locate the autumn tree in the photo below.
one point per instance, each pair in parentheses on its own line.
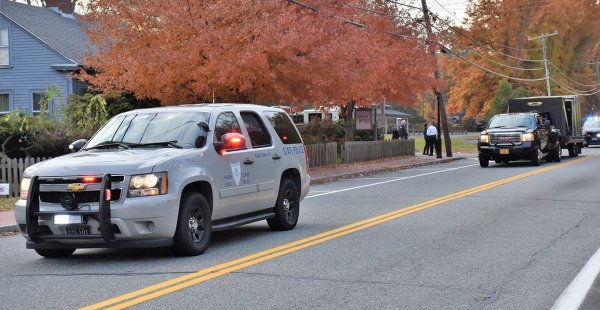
(496,38)
(322,52)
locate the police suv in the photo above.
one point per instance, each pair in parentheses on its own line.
(167,176)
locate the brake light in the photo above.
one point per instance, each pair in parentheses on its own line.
(89,180)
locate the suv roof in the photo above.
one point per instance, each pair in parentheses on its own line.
(203,107)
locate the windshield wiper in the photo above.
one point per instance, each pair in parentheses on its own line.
(497,127)
(164,143)
(108,145)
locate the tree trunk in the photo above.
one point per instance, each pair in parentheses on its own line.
(347,112)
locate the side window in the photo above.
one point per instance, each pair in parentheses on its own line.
(259,136)
(4,103)
(284,127)
(226,123)
(4,48)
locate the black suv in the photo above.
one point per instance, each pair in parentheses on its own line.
(516,136)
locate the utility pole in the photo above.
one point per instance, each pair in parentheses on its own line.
(440,100)
(543,38)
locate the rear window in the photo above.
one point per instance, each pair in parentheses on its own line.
(284,127)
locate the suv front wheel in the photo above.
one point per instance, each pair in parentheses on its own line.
(194,226)
(287,207)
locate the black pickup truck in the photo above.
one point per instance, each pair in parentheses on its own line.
(534,128)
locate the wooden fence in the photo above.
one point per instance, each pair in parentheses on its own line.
(324,154)
(371,150)
(11,171)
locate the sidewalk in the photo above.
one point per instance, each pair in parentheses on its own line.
(323,175)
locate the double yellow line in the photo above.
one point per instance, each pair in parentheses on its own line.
(179,283)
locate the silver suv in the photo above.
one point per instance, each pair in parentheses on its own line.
(167,176)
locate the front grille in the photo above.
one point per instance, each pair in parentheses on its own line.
(81,197)
(505,138)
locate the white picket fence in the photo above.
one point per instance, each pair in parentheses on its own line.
(11,172)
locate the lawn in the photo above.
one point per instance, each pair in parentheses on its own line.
(466,143)
(7,203)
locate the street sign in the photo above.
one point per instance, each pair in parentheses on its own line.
(4,189)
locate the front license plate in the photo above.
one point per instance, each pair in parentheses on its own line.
(594,138)
(78,230)
(65,219)
(503,151)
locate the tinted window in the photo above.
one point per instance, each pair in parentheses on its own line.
(226,123)
(284,127)
(259,136)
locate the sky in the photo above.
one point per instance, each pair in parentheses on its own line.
(445,7)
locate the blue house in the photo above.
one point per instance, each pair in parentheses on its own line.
(39,48)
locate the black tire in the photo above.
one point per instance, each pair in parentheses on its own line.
(194,226)
(54,253)
(287,207)
(571,148)
(535,157)
(483,161)
(557,154)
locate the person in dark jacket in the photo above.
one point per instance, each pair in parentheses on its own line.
(403,131)
(395,133)
(427,144)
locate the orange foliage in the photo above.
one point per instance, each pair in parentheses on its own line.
(254,50)
(504,26)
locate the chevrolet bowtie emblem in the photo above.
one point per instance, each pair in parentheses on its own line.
(75,187)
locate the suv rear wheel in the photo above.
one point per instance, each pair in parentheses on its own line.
(287,207)
(194,226)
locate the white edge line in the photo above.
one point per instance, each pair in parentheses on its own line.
(575,293)
(388,181)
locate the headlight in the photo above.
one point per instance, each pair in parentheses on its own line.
(598,135)
(25,187)
(148,185)
(527,137)
(484,138)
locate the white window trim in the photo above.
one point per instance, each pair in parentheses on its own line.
(6,46)
(9,102)
(40,92)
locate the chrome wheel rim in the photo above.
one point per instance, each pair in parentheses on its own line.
(196,225)
(288,205)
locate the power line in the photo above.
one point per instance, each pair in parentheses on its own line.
(482,45)
(575,92)
(568,78)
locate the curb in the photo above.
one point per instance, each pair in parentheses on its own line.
(9,228)
(382,170)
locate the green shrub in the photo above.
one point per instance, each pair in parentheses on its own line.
(322,132)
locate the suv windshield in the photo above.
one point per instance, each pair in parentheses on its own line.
(591,123)
(165,129)
(512,121)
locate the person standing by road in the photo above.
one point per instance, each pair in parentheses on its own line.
(403,131)
(431,137)
(395,134)
(426,148)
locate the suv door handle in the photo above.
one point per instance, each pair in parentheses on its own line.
(276,156)
(248,162)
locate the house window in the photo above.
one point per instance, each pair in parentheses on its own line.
(4,50)
(38,100)
(4,103)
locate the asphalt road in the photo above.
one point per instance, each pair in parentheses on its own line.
(450,236)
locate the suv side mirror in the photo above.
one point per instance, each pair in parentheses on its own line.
(77,145)
(232,141)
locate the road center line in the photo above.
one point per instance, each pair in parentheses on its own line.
(179,283)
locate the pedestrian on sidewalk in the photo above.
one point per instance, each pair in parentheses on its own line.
(395,133)
(403,131)
(431,137)
(426,148)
